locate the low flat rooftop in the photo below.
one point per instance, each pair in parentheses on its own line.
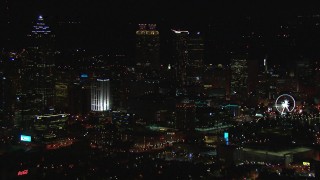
(278,153)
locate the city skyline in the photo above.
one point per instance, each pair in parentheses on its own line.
(111,26)
(159,90)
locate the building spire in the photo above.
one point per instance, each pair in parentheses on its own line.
(40,28)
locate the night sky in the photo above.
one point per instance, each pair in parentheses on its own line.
(172,11)
(111,24)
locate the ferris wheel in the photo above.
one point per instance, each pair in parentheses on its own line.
(285,103)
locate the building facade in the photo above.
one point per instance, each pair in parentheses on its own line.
(148,46)
(239,77)
(100,95)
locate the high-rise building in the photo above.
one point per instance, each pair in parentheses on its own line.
(239,77)
(79,97)
(185,115)
(38,66)
(147,45)
(304,72)
(253,71)
(181,58)
(196,47)
(216,81)
(195,44)
(62,96)
(265,64)
(2,92)
(100,95)
(5,99)
(40,28)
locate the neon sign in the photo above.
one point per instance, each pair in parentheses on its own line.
(25,138)
(84,75)
(306,163)
(24,172)
(226,137)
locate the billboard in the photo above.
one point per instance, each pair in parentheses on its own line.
(306,163)
(25,138)
(226,135)
(84,75)
(23,172)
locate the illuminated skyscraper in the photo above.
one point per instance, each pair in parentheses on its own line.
(265,64)
(195,49)
(147,45)
(100,95)
(41,35)
(2,91)
(185,115)
(181,56)
(40,28)
(239,76)
(5,99)
(195,45)
(37,68)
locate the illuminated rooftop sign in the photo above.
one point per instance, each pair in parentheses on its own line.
(24,172)
(25,138)
(51,116)
(84,75)
(179,32)
(226,135)
(306,163)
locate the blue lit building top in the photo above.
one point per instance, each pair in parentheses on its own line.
(40,28)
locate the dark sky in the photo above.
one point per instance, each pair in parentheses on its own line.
(112,23)
(138,10)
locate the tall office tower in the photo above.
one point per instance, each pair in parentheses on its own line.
(147,45)
(5,100)
(265,64)
(304,70)
(195,45)
(80,96)
(100,95)
(239,76)
(196,49)
(181,58)
(62,96)
(40,29)
(37,70)
(306,76)
(3,88)
(216,82)
(185,115)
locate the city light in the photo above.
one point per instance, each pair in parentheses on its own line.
(92,90)
(25,138)
(23,172)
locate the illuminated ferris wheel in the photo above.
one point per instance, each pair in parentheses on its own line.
(285,103)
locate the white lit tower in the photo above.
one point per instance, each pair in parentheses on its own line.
(100,95)
(265,64)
